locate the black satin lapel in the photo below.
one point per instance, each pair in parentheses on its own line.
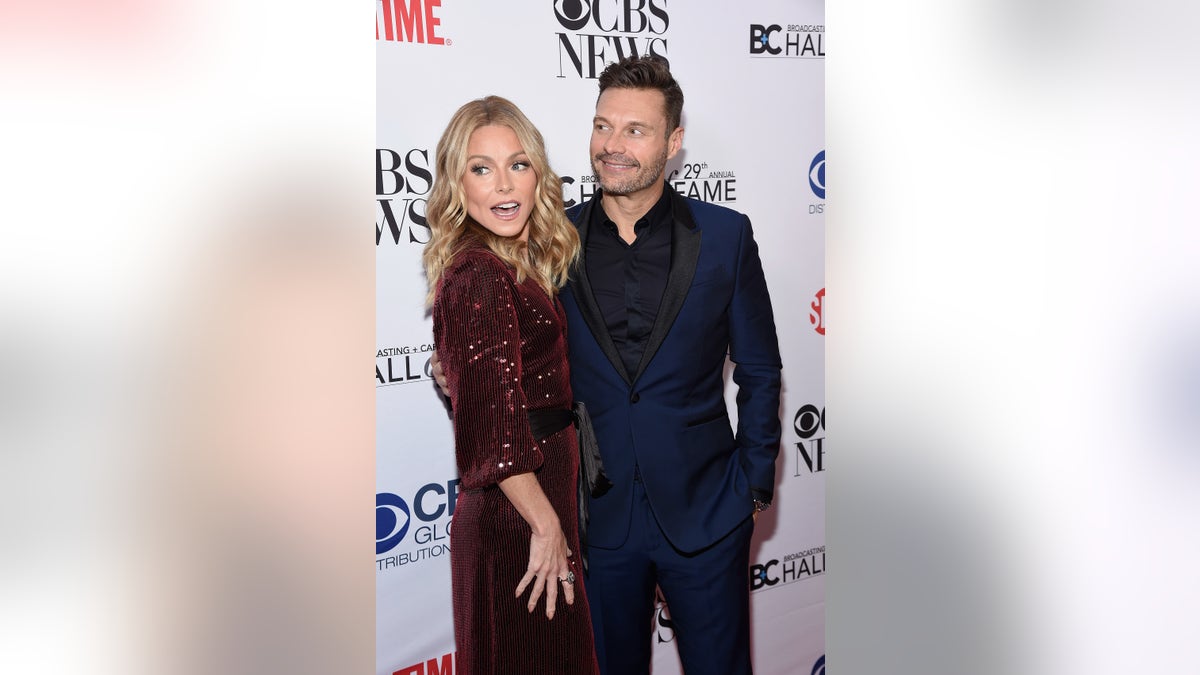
(685,251)
(586,300)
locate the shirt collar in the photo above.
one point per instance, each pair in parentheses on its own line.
(659,213)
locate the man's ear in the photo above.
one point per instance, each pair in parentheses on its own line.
(674,142)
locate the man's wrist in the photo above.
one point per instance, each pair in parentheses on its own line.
(762,499)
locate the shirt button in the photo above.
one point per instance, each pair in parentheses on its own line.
(634,398)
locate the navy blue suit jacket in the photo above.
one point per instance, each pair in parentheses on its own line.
(669,418)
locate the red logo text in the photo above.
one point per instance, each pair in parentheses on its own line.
(409,21)
(442,665)
(815,317)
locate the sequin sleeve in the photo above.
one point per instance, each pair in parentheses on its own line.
(478,341)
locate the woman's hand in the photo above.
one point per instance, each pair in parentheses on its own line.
(549,567)
(550,561)
(439,374)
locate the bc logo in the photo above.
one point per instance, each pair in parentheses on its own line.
(819,666)
(760,38)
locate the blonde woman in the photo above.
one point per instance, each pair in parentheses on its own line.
(500,251)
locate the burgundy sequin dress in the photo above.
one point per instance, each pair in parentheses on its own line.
(503,349)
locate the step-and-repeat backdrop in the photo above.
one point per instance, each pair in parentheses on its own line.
(753,80)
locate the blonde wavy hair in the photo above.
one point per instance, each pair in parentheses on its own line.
(553,245)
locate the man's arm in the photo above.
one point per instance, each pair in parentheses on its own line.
(754,350)
(439,375)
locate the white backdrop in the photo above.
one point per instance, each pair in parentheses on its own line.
(753,80)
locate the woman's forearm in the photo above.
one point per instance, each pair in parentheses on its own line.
(526,494)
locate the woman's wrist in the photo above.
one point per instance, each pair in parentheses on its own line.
(545,525)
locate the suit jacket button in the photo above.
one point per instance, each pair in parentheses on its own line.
(634,398)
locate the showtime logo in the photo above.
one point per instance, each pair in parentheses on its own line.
(446,664)
(409,21)
(598,32)
(817,316)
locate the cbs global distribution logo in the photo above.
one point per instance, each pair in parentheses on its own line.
(816,175)
(426,516)
(816,183)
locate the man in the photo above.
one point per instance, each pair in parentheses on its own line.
(666,287)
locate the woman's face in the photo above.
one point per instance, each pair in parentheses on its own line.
(499,182)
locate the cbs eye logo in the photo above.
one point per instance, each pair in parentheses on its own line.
(429,504)
(392,519)
(809,418)
(816,175)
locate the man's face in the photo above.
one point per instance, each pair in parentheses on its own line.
(630,144)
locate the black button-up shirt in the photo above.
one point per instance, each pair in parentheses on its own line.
(629,279)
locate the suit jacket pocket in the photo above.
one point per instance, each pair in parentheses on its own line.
(705,420)
(710,275)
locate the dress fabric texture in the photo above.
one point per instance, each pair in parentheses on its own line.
(503,350)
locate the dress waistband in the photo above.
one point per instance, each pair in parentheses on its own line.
(546,422)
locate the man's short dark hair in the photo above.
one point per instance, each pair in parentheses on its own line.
(646,72)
